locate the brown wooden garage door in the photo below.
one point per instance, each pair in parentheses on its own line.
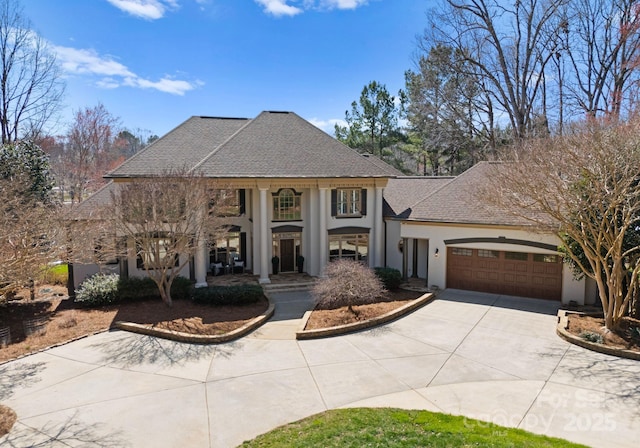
(512,273)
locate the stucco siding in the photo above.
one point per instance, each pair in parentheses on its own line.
(437,234)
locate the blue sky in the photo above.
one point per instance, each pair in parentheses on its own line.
(155,63)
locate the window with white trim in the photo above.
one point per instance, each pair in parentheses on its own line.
(286,205)
(349,202)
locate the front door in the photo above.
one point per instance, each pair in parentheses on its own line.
(287,255)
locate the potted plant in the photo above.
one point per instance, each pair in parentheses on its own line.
(275,263)
(300,261)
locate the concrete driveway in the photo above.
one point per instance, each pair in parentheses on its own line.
(490,357)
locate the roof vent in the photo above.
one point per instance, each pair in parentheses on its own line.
(278,112)
(205,117)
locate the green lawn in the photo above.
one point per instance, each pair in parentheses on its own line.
(57,274)
(365,427)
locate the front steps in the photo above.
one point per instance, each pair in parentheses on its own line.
(287,287)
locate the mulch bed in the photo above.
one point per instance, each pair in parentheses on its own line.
(342,316)
(7,419)
(189,317)
(64,321)
(578,324)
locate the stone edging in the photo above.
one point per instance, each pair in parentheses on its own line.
(561,330)
(198,338)
(347,328)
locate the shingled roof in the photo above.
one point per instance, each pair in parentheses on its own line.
(459,201)
(272,145)
(404,192)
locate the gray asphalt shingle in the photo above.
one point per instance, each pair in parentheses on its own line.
(274,144)
(462,201)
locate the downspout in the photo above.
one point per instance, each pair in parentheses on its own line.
(385,242)
(426,280)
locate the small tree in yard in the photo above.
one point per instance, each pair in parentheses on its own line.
(164,219)
(585,188)
(347,283)
(29,230)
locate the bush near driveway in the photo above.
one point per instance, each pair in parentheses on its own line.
(228,295)
(144,288)
(347,283)
(391,278)
(106,289)
(98,290)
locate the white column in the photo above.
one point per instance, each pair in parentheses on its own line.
(264,254)
(312,250)
(201,257)
(378,229)
(201,260)
(322,230)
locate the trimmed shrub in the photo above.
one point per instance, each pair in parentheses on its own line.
(98,290)
(145,288)
(347,283)
(106,289)
(391,278)
(137,288)
(228,295)
(181,288)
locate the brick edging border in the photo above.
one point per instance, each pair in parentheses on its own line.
(198,338)
(561,330)
(348,328)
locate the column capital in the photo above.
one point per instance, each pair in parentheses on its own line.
(324,184)
(381,183)
(263,185)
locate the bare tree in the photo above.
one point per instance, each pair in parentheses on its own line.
(585,188)
(29,234)
(347,283)
(162,220)
(601,41)
(90,150)
(506,46)
(31,87)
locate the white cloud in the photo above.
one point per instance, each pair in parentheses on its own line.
(342,4)
(283,8)
(166,84)
(327,126)
(79,61)
(113,74)
(279,7)
(108,83)
(146,9)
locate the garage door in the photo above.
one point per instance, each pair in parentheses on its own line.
(512,273)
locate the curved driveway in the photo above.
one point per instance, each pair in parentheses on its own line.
(491,357)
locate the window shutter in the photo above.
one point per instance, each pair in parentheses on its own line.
(242,201)
(363,202)
(334,202)
(243,246)
(192,268)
